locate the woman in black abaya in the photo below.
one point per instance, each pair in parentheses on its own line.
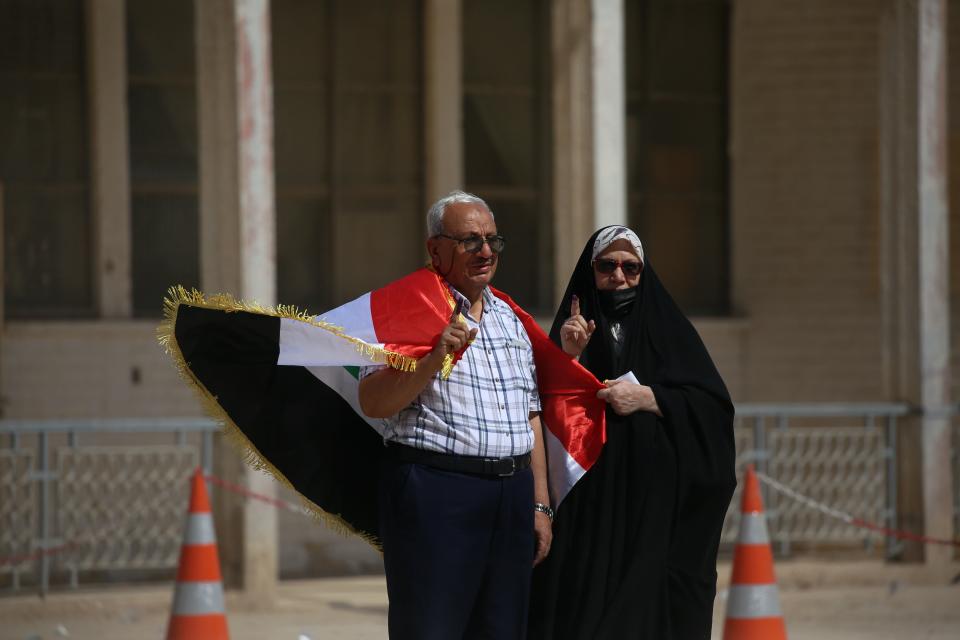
(635,541)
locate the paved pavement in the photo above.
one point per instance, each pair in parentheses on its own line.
(821,600)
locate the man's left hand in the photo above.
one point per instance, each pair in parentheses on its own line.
(543,531)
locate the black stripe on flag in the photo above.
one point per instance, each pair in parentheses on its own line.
(302,427)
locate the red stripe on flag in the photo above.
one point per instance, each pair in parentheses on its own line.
(571,409)
(410,313)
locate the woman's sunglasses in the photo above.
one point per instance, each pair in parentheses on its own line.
(607,266)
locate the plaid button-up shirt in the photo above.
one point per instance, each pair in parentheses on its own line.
(483,408)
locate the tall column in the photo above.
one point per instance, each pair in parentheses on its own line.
(934,254)
(588,125)
(608,96)
(238,220)
(572,135)
(915,265)
(110,156)
(443,97)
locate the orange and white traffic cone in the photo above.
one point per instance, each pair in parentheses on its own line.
(753,605)
(198,598)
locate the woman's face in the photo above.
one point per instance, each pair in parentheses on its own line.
(621,253)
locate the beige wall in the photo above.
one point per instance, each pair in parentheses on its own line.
(107,369)
(804,198)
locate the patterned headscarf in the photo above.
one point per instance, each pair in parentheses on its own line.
(608,236)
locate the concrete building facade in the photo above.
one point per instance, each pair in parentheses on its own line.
(772,156)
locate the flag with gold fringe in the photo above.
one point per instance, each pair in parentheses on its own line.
(284,384)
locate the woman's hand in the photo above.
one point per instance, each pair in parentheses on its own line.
(628,397)
(576,331)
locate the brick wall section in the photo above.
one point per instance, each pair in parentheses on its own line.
(804,198)
(90,370)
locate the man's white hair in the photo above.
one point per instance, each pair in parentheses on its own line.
(435,214)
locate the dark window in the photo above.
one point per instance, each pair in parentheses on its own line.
(506,122)
(348,151)
(44,161)
(677,94)
(162,103)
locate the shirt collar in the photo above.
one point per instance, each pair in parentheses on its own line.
(490,301)
(460,300)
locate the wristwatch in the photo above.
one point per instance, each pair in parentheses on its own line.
(542,508)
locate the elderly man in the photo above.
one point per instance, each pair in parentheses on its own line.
(463,496)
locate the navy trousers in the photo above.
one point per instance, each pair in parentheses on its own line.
(457,551)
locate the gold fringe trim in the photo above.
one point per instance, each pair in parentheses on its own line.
(248,452)
(178,295)
(447,368)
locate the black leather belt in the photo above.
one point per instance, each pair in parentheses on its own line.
(505,466)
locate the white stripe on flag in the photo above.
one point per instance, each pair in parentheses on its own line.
(304,344)
(564,471)
(748,601)
(355,317)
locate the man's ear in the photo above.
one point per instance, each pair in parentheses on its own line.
(434,252)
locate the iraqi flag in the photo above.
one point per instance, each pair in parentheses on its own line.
(285,386)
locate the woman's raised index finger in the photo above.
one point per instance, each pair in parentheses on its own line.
(574,305)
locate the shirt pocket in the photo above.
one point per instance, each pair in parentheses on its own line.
(521,359)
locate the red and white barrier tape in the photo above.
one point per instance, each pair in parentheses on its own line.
(289,506)
(253,495)
(27,557)
(849,518)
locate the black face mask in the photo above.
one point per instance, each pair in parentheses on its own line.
(617,303)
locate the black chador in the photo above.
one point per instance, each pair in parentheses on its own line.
(635,542)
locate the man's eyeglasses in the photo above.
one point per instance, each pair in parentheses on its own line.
(474,243)
(606,266)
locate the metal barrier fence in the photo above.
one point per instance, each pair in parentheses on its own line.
(107,496)
(845,456)
(68,506)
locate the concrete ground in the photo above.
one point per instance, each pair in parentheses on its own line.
(821,600)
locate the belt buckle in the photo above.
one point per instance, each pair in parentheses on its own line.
(513,466)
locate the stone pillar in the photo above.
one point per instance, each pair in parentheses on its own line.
(110,156)
(588,125)
(572,135)
(238,229)
(934,254)
(608,96)
(443,98)
(915,261)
